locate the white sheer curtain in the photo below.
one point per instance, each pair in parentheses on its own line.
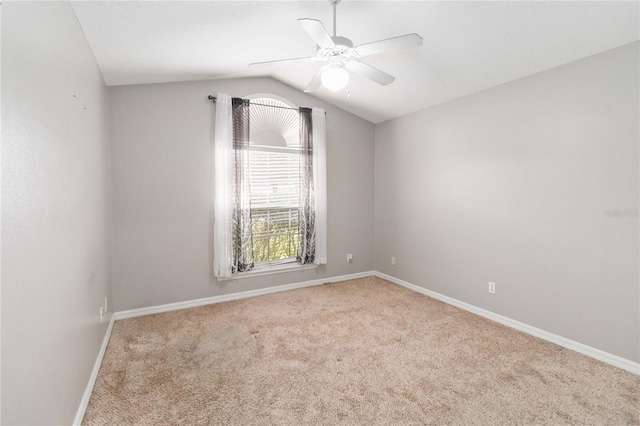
(320,183)
(223,187)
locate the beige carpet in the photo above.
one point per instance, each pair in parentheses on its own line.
(357,352)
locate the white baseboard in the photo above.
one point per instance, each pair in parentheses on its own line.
(598,354)
(235,296)
(94,375)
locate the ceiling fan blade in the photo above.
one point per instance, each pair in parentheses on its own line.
(318,33)
(315,82)
(387,45)
(370,72)
(284,61)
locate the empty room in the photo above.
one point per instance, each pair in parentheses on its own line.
(320,212)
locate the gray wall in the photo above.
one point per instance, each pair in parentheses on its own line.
(56,268)
(512,185)
(161,136)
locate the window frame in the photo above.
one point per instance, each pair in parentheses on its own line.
(281,265)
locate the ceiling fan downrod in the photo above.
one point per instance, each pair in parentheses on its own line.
(334,3)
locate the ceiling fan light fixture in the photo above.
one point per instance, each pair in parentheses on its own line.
(335,78)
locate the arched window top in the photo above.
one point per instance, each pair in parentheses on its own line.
(273,123)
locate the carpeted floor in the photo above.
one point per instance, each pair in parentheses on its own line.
(357,352)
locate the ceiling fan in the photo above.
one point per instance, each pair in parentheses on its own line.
(341,56)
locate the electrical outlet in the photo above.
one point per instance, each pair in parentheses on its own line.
(101,314)
(105,305)
(393,260)
(349,257)
(492,287)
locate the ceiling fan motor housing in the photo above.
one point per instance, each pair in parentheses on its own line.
(342,50)
(342,42)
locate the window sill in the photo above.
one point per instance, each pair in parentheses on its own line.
(269,270)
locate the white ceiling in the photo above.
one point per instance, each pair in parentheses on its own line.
(468,46)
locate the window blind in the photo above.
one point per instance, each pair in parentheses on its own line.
(275,199)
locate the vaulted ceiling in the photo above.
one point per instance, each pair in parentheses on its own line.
(468,46)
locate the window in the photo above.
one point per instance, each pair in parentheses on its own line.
(274,163)
(269,180)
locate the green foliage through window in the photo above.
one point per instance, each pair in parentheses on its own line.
(275,234)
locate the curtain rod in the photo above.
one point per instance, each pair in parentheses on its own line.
(213,98)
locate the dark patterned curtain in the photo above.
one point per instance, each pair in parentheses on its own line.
(307,246)
(242,241)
